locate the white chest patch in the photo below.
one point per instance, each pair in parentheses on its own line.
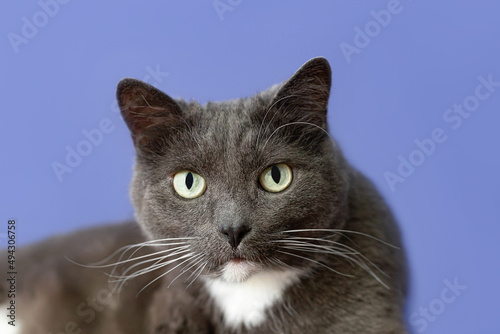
(245,303)
(5,328)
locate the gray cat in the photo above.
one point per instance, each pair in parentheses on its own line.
(253,222)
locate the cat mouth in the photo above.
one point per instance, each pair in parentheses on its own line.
(239,269)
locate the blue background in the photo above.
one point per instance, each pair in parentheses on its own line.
(393,91)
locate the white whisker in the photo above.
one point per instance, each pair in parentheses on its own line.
(188,266)
(199,271)
(157,265)
(189,255)
(267,112)
(149,268)
(338,231)
(295,123)
(339,250)
(316,262)
(130,259)
(351,250)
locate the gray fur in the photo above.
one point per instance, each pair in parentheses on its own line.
(230,143)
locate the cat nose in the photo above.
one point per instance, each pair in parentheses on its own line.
(234,234)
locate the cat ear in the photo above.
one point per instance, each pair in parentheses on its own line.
(306,93)
(143,106)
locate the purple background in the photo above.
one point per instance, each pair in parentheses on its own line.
(394,89)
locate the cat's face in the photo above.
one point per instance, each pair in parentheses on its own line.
(233,177)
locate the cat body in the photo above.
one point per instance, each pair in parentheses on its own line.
(259,225)
(57,294)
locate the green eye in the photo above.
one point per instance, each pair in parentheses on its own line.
(188,184)
(276,178)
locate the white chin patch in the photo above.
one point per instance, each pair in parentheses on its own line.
(239,271)
(246,291)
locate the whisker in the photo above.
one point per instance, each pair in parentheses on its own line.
(173,250)
(123,279)
(336,243)
(316,262)
(280,263)
(343,231)
(340,247)
(130,259)
(350,249)
(198,263)
(326,251)
(295,123)
(159,245)
(189,266)
(358,258)
(157,265)
(144,270)
(125,249)
(199,270)
(267,112)
(189,255)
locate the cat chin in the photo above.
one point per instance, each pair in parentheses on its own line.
(239,271)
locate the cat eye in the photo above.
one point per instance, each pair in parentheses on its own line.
(188,184)
(276,178)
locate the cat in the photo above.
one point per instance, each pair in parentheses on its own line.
(57,295)
(251,221)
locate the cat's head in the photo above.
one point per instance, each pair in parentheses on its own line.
(234,178)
